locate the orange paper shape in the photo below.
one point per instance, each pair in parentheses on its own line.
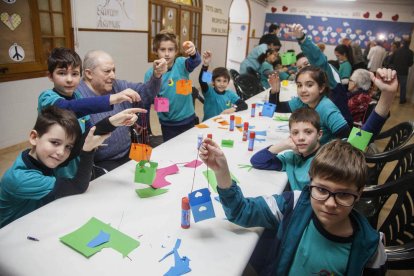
(139,152)
(183,87)
(237,120)
(202,126)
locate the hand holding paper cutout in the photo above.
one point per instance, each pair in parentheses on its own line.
(160,66)
(128,95)
(297,30)
(126,117)
(274,82)
(93,141)
(207,55)
(189,48)
(387,82)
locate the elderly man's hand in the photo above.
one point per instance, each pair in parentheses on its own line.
(125,95)
(160,66)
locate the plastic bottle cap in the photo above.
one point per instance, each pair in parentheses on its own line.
(210,136)
(246,125)
(252,135)
(253,105)
(185,204)
(232,117)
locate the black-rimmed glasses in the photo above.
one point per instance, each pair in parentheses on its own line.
(341,198)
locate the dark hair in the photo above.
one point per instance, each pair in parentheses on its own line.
(53,115)
(221,72)
(164,35)
(305,115)
(270,39)
(334,63)
(346,51)
(340,162)
(63,58)
(317,74)
(291,51)
(263,56)
(273,27)
(300,55)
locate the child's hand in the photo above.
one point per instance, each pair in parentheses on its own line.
(128,95)
(274,82)
(126,117)
(212,155)
(385,79)
(93,141)
(189,48)
(297,30)
(286,144)
(228,110)
(160,67)
(207,58)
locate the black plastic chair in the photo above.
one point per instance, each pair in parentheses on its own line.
(248,86)
(234,74)
(252,72)
(400,160)
(397,136)
(398,225)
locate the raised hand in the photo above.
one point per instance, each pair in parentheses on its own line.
(128,95)
(296,30)
(189,48)
(385,79)
(126,117)
(207,55)
(160,66)
(93,141)
(274,82)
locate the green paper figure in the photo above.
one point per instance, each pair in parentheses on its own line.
(150,192)
(288,58)
(212,180)
(227,143)
(145,172)
(359,138)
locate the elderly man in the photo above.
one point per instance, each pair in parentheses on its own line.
(99,79)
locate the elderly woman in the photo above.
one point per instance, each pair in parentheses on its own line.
(359,94)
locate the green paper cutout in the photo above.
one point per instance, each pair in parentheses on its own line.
(359,138)
(227,143)
(288,58)
(79,239)
(150,192)
(248,167)
(281,118)
(212,180)
(145,174)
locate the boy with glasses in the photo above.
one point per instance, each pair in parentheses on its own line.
(317,230)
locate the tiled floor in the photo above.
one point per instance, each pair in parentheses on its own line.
(399,113)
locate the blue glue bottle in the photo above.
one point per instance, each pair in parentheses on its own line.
(199,140)
(253,110)
(231,123)
(185,213)
(251,140)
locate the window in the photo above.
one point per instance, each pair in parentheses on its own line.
(183,17)
(30,30)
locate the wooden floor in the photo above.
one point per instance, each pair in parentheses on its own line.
(399,113)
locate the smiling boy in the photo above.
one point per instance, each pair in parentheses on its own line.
(293,155)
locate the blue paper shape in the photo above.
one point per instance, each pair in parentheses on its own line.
(260,132)
(259,104)
(181,265)
(207,77)
(101,238)
(268,110)
(201,205)
(259,140)
(252,127)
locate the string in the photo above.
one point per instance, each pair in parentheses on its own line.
(195,168)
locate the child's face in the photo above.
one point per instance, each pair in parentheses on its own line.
(168,51)
(305,136)
(340,57)
(334,217)
(271,58)
(220,83)
(66,80)
(52,148)
(308,90)
(302,62)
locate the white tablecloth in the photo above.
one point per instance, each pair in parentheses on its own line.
(214,246)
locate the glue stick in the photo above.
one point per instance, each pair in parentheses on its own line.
(199,140)
(245,130)
(185,213)
(253,110)
(231,123)
(251,140)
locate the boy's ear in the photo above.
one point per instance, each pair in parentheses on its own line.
(320,133)
(33,136)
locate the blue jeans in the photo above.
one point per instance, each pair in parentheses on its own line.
(403,88)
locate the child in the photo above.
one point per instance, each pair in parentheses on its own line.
(320,219)
(217,99)
(181,116)
(31,182)
(266,61)
(64,70)
(298,149)
(344,55)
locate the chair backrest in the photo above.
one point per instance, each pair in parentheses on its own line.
(197,96)
(398,135)
(234,76)
(392,201)
(400,160)
(248,85)
(252,72)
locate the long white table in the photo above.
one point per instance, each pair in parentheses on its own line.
(214,246)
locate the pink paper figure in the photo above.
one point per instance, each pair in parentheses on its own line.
(193,164)
(159,180)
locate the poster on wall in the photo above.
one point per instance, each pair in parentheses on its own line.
(215,20)
(115,14)
(330,30)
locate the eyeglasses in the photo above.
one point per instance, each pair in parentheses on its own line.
(341,198)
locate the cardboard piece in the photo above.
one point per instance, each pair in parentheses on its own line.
(201,205)
(140,152)
(80,238)
(145,172)
(161,104)
(359,138)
